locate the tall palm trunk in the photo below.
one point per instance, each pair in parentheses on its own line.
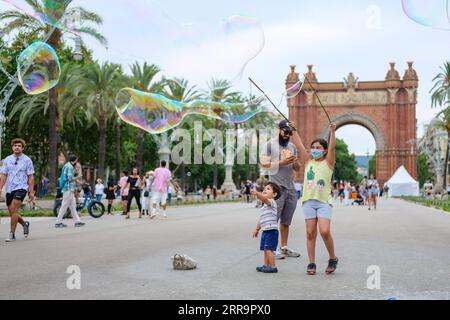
(216,166)
(53,133)
(118,150)
(446,162)
(140,149)
(101,145)
(238,166)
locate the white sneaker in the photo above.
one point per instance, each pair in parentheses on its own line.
(153,214)
(11,238)
(288,252)
(279,255)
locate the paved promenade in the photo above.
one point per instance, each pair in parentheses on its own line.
(130,259)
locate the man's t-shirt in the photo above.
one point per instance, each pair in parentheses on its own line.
(18,170)
(162,179)
(284,175)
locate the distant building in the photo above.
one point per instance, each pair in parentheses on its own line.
(434,145)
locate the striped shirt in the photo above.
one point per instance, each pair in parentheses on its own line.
(268,219)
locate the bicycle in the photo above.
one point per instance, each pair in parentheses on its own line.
(95,208)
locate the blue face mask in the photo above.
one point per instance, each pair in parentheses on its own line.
(317,154)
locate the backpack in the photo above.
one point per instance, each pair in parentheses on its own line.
(62,179)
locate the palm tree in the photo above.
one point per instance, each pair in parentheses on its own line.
(98,90)
(179,90)
(142,79)
(441,97)
(219,92)
(16,19)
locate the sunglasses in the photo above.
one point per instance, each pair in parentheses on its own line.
(288,132)
(17,160)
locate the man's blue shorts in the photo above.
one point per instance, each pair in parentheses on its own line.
(269,240)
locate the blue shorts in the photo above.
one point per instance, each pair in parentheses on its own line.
(314,209)
(269,240)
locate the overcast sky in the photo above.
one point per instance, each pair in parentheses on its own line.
(186,39)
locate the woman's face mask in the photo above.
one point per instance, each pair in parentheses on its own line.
(317,153)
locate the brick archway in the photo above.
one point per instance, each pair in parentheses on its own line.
(386,108)
(362,120)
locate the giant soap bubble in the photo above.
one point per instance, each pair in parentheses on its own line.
(430,13)
(156,114)
(38,68)
(54,13)
(187,45)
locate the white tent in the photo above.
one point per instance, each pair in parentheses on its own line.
(402,184)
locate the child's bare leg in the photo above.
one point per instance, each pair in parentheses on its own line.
(266,260)
(270,258)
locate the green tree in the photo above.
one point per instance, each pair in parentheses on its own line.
(441,98)
(424,173)
(373,166)
(143,80)
(99,94)
(218,91)
(52,11)
(346,166)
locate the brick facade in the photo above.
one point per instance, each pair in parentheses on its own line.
(386,108)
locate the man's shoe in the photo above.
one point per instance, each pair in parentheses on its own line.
(280,255)
(332,265)
(11,237)
(26,229)
(79,224)
(60,226)
(288,252)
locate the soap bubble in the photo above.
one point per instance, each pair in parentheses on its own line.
(156,114)
(430,13)
(38,68)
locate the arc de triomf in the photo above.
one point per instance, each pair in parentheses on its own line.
(386,108)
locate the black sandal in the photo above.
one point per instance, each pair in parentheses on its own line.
(332,265)
(311,269)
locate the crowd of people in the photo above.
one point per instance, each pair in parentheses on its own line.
(151,192)
(364,193)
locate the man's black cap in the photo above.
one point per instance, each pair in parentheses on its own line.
(284,125)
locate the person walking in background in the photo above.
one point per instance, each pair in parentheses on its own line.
(373,190)
(68,185)
(298,189)
(44,188)
(99,190)
(208,193)
(124,191)
(347,193)
(161,181)
(17,173)
(134,191)
(169,194)
(248,188)
(261,182)
(110,194)
(147,194)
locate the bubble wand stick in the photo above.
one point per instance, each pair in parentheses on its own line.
(273,104)
(318,99)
